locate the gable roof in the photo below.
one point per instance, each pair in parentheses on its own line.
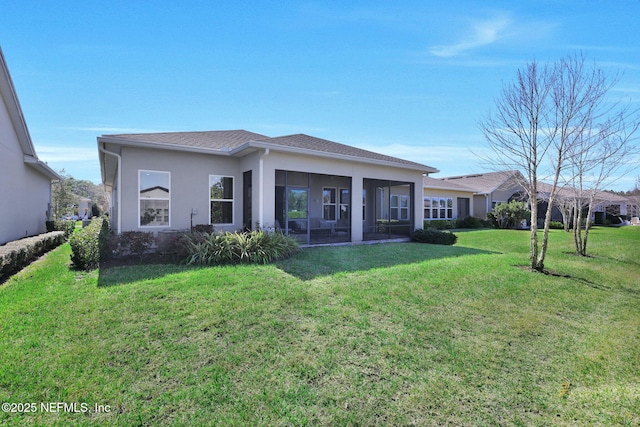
(10,99)
(242,142)
(442,184)
(217,140)
(485,183)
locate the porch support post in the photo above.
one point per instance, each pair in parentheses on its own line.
(356,208)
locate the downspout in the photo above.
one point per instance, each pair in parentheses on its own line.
(260,186)
(119,181)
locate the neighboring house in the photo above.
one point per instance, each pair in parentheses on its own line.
(84,207)
(606,204)
(446,199)
(25,181)
(488,190)
(317,190)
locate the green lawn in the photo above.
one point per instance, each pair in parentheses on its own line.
(391,334)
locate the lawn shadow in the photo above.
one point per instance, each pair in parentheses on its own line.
(314,262)
(135,270)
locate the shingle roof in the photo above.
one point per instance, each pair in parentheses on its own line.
(217,139)
(313,143)
(228,140)
(484,182)
(439,183)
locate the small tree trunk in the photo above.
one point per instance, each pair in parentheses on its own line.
(533,252)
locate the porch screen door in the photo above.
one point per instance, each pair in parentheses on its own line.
(298,213)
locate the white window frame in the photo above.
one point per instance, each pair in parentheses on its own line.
(438,206)
(168,199)
(347,205)
(334,203)
(231,200)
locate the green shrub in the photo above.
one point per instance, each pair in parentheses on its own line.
(509,215)
(439,224)
(239,247)
(89,245)
(437,237)
(202,228)
(470,222)
(136,243)
(19,253)
(61,225)
(556,225)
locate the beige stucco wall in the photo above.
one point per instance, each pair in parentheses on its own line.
(25,193)
(454,194)
(190,184)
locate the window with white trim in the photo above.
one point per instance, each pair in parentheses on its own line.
(329,204)
(399,208)
(438,208)
(364,204)
(154,201)
(345,202)
(221,199)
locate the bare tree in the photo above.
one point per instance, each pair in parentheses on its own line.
(540,118)
(597,160)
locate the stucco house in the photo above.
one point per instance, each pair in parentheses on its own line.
(25,181)
(488,189)
(316,190)
(446,199)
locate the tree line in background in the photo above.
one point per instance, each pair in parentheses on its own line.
(558,123)
(67,194)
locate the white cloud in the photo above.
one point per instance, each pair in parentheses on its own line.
(58,154)
(481,34)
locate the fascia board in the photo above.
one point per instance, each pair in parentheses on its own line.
(8,93)
(160,146)
(42,167)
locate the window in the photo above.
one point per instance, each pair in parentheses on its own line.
(394,208)
(438,208)
(154,198)
(404,207)
(221,199)
(329,204)
(345,202)
(364,204)
(427,208)
(399,208)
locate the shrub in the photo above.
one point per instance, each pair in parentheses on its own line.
(202,228)
(509,215)
(239,247)
(89,245)
(434,236)
(556,225)
(19,253)
(61,225)
(136,243)
(439,224)
(470,222)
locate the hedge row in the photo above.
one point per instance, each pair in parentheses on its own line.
(430,235)
(89,245)
(62,225)
(19,253)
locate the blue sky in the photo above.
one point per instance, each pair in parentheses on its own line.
(411,78)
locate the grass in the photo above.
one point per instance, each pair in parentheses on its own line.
(393,334)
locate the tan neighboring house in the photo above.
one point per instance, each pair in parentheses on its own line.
(25,181)
(316,190)
(488,189)
(446,200)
